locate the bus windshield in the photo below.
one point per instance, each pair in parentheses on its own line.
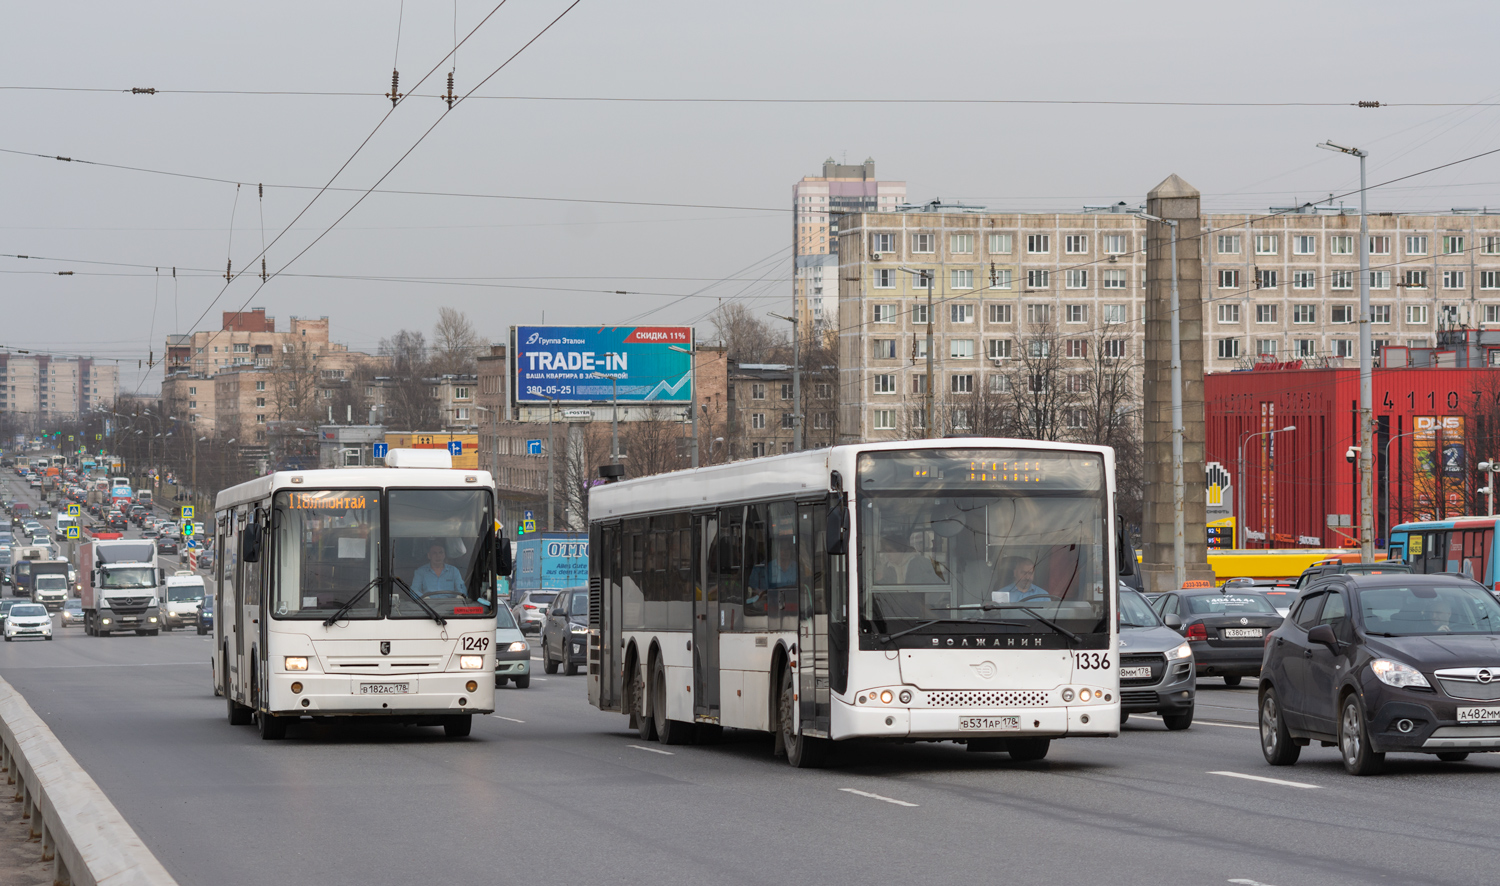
(127,578)
(438,539)
(982,541)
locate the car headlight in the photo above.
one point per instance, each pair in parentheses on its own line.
(1183,651)
(1395,673)
(518,646)
(579,629)
(471,662)
(296,662)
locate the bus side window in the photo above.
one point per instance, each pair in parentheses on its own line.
(731,557)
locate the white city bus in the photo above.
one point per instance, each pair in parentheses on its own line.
(864,591)
(358,592)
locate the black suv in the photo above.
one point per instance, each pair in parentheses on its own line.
(566,631)
(1312,573)
(1379,663)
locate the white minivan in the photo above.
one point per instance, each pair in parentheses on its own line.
(185,592)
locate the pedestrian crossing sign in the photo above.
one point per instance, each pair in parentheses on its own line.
(72,532)
(528,526)
(75,510)
(187,512)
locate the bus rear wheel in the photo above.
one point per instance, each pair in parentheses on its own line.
(458,725)
(667,731)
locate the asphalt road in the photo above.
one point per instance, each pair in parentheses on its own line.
(551,789)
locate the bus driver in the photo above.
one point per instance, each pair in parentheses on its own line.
(438,576)
(1020,588)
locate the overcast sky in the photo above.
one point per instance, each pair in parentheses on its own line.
(522,258)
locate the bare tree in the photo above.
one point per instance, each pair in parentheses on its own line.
(294,378)
(750,339)
(1108,411)
(410,398)
(1040,391)
(456,344)
(657,444)
(588,448)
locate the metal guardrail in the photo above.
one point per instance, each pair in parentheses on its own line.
(81,833)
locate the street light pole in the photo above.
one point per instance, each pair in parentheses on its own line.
(1492,468)
(551,477)
(1179,530)
(1239,481)
(1366,370)
(1388,472)
(927,400)
(692,397)
(614,422)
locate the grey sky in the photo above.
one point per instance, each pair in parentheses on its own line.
(1030,157)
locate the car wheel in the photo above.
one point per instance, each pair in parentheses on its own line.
(802,752)
(1232,680)
(1178,721)
(458,725)
(501,681)
(571,668)
(522,682)
(548,664)
(1275,741)
(1354,741)
(1123,718)
(1453,756)
(1027,750)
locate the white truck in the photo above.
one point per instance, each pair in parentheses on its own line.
(185,592)
(121,586)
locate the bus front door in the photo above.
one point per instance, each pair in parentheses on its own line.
(713,561)
(812,622)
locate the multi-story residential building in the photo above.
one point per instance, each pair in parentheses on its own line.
(762,410)
(817,204)
(1283,286)
(40,388)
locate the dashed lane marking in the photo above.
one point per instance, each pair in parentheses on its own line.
(891,800)
(641,747)
(1290,784)
(1201,722)
(510,719)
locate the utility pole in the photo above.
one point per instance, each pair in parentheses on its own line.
(693,398)
(796,382)
(927,400)
(551,411)
(614,421)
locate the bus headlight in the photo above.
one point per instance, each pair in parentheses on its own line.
(296,662)
(471,662)
(518,646)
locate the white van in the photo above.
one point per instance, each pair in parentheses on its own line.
(185,592)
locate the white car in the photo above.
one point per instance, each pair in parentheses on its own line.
(28,620)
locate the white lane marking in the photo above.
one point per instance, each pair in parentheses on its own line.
(1201,722)
(511,719)
(1290,784)
(534,658)
(641,747)
(1245,882)
(877,797)
(543,679)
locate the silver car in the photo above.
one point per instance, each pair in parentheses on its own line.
(531,610)
(1156,665)
(512,652)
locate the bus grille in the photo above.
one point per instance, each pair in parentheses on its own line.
(596,601)
(988,698)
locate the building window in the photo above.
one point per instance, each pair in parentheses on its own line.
(1380,245)
(919,313)
(1000,244)
(1453,279)
(919,384)
(757,450)
(999,384)
(757,392)
(461,393)
(1489,245)
(1304,313)
(458,414)
(1492,313)
(786,390)
(242,348)
(962,244)
(1380,279)
(1416,315)
(1038,315)
(919,418)
(787,421)
(1229,313)
(1265,347)
(1448,315)
(1267,244)
(1343,347)
(1229,278)
(885,278)
(883,349)
(885,383)
(921,243)
(823,390)
(1229,349)
(1113,244)
(1341,245)
(961,278)
(1417,343)
(192,404)
(1304,279)
(999,348)
(885,419)
(961,348)
(1038,244)
(1414,279)
(961,312)
(1077,348)
(1113,279)
(260,402)
(1380,314)
(1265,279)
(1489,279)
(961,384)
(1453,245)
(1416,245)
(260,386)
(260,419)
(821,422)
(882,242)
(1039,348)
(1341,314)
(1229,244)
(1341,280)
(1000,278)
(1075,244)
(1038,279)
(1036,383)
(1078,384)
(1305,347)
(1265,313)
(884,313)
(923,279)
(1078,278)
(1076,313)
(1303,244)
(999,313)
(757,420)
(192,391)
(1116,314)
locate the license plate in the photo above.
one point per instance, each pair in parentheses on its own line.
(1240,633)
(992,724)
(1134,673)
(384,688)
(1479,715)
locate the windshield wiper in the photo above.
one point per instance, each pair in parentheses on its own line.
(349,604)
(419,601)
(954,621)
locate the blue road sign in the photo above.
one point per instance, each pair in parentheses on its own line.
(381,449)
(455,448)
(527,515)
(533,447)
(187,512)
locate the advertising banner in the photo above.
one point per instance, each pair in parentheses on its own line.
(1438,451)
(563,364)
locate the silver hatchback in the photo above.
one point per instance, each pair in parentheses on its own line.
(531,610)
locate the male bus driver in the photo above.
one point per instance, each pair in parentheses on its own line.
(1020,588)
(438,576)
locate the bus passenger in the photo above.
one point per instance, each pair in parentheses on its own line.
(438,576)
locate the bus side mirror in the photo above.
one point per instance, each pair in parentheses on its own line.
(838,530)
(1127,553)
(250,543)
(503,562)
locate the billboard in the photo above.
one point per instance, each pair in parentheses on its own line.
(559,364)
(463,447)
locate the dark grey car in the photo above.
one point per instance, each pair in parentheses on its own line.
(565,632)
(1156,666)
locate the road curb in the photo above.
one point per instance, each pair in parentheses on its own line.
(85,838)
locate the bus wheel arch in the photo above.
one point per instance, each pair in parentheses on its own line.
(779,659)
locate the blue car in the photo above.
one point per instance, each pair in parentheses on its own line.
(206,615)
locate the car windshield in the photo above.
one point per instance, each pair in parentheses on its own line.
(73,604)
(1431,609)
(116,578)
(184,593)
(27,609)
(1135,612)
(504,620)
(51,582)
(1229,604)
(1013,536)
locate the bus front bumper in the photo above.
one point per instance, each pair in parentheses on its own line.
(937,724)
(383,695)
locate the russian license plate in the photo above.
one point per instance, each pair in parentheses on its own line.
(993,724)
(384,688)
(1241,633)
(1134,673)
(1479,715)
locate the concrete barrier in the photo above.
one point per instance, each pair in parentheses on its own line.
(85,838)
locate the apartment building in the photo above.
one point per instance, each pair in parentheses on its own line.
(817,204)
(762,410)
(41,388)
(1283,286)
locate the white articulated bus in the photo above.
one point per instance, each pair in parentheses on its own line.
(358,592)
(958,589)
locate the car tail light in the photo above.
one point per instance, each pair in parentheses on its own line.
(1197,632)
(528,606)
